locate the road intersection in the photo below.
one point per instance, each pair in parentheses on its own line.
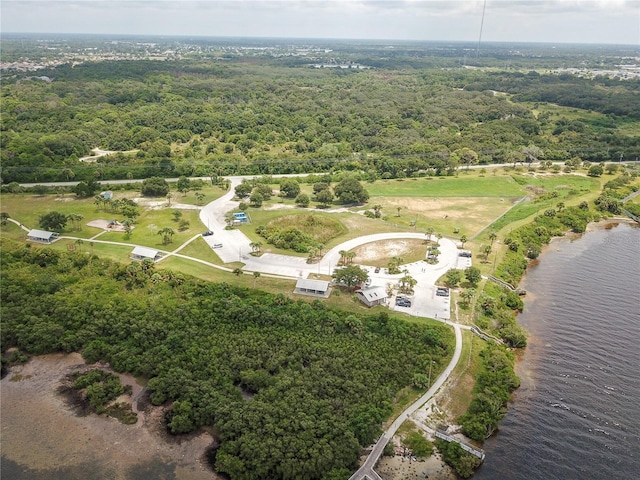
(236,247)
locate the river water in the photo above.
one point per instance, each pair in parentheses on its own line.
(577,413)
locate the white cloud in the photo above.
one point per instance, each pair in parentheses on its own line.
(593,21)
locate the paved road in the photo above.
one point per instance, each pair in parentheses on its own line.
(237,247)
(366,470)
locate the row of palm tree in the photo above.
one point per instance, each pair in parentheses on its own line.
(346,257)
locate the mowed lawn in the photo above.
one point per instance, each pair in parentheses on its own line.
(27,209)
(470,184)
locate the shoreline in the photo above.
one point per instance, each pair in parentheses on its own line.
(535,397)
(43,437)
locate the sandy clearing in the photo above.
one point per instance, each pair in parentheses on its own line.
(41,433)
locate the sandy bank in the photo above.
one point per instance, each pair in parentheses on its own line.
(43,438)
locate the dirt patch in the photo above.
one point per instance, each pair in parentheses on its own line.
(280,206)
(379,253)
(108,225)
(43,437)
(401,468)
(456,209)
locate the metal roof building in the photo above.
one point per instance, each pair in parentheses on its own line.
(305,286)
(42,236)
(140,253)
(372,296)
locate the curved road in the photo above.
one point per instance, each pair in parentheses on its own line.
(366,470)
(236,247)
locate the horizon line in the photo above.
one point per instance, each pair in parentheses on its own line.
(335,39)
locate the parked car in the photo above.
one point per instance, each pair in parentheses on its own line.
(403,302)
(216,245)
(377,270)
(465,253)
(442,292)
(207,233)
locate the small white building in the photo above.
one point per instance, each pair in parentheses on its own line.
(318,288)
(372,296)
(141,253)
(42,236)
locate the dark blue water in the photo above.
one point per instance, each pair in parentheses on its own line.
(577,414)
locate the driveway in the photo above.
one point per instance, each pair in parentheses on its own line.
(236,247)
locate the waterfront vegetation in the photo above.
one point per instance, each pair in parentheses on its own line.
(99,390)
(294,388)
(257,366)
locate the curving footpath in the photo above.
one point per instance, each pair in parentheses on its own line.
(237,247)
(366,471)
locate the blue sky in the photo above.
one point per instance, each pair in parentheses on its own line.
(556,21)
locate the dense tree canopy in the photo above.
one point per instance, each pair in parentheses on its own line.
(320,380)
(350,190)
(155,187)
(351,276)
(194,117)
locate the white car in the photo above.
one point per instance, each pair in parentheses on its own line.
(216,245)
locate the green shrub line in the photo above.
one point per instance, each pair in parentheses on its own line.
(496,313)
(314,375)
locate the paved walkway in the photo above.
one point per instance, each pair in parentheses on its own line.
(237,247)
(426,400)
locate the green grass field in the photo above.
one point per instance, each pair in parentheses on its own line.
(470,184)
(466,203)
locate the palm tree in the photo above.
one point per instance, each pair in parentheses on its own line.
(167,233)
(394,264)
(487,251)
(255,247)
(343,257)
(376,210)
(79,243)
(237,271)
(429,232)
(199,198)
(463,240)
(350,256)
(98,200)
(127,223)
(256,275)
(467,294)
(169,197)
(439,236)
(407,283)
(492,237)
